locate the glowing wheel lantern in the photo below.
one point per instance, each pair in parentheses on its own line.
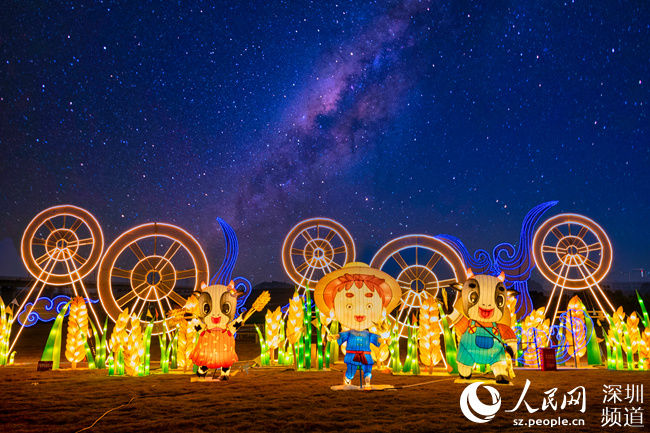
(150,261)
(60,246)
(422,265)
(314,248)
(574,253)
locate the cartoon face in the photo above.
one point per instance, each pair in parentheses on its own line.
(217,305)
(358,307)
(483,298)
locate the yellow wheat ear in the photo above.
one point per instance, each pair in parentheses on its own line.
(295,319)
(261,301)
(77,331)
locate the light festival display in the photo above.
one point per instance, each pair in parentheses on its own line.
(399,215)
(140,272)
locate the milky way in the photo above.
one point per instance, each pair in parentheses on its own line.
(331,125)
(394,117)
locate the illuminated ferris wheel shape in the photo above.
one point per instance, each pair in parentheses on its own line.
(142,268)
(60,246)
(422,265)
(573,253)
(315,247)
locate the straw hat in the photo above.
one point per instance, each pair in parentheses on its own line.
(357,268)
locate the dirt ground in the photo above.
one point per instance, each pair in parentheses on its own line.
(279,399)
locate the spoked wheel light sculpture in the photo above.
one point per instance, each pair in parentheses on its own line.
(150,260)
(60,246)
(314,248)
(574,253)
(422,265)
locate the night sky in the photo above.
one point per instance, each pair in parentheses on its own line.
(390,117)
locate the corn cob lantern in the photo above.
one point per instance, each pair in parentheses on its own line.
(576,332)
(295,319)
(186,340)
(77,332)
(633,332)
(6,322)
(535,332)
(644,349)
(134,349)
(616,331)
(295,324)
(272,330)
(119,338)
(380,354)
(429,334)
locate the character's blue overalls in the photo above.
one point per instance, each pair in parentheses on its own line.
(479,345)
(357,352)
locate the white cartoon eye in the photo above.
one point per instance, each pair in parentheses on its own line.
(501,300)
(348,306)
(473,297)
(206,308)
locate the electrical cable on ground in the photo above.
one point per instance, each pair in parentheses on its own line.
(104,414)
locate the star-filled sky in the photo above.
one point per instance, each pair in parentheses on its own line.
(392,117)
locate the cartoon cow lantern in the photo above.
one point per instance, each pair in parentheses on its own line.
(482,322)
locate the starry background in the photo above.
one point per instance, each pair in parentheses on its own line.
(391,117)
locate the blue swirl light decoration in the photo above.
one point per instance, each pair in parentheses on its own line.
(531,335)
(516,263)
(52,307)
(224,273)
(567,323)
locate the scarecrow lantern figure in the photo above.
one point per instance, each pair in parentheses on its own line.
(357,296)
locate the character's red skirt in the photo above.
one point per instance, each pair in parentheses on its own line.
(215,349)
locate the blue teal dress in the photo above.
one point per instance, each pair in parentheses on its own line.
(479,345)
